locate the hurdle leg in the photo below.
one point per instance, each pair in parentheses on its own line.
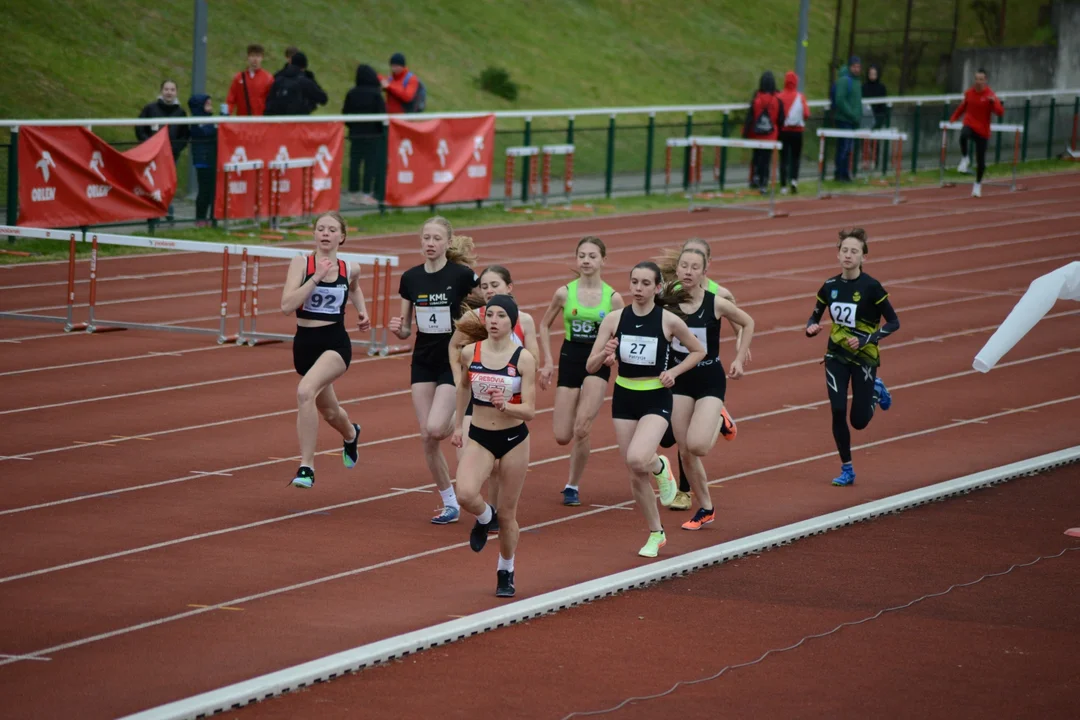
(820,166)
(224,294)
(568,179)
(374,315)
(1016,158)
(508,200)
(774,166)
(941,162)
(667,169)
(898,161)
(243,295)
(225,200)
(545,178)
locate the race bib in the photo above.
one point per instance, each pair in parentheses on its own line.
(843,313)
(637,350)
(326,300)
(583,329)
(484,383)
(699,333)
(433,320)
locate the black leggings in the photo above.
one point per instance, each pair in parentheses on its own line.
(761,164)
(980,150)
(863,400)
(790,156)
(204,201)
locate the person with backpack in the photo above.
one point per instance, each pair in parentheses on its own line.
(404,91)
(796,113)
(846,100)
(763,123)
(293,91)
(250,87)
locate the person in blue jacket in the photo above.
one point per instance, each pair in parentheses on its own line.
(204,157)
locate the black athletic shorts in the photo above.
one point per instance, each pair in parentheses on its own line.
(572,359)
(702,381)
(636,404)
(437,372)
(310,343)
(499,442)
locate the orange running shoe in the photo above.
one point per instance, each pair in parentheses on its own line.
(701,517)
(727,425)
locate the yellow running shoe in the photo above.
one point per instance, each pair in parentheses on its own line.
(666,483)
(656,541)
(683,501)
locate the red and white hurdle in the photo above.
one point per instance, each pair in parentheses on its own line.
(1017,131)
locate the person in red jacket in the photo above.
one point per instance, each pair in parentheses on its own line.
(401,87)
(978,103)
(796,113)
(763,123)
(247,94)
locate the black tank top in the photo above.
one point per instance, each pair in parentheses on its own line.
(483,379)
(705,326)
(643,349)
(327,301)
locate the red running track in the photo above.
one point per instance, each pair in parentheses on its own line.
(157,552)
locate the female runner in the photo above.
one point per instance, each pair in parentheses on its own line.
(583,304)
(500,377)
(436,290)
(494,280)
(698,414)
(317,289)
(856,304)
(641,406)
(668,263)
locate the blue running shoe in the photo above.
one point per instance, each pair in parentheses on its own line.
(446,516)
(884,396)
(305,478)
(570,497)
(350,454)
(847,476)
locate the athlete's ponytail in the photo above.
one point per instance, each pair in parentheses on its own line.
(672,294)
(470,325)
(461,250)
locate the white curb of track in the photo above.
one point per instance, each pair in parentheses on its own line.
(376,653)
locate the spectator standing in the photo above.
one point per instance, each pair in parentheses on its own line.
(295,91)
(796,113)
(874,88)
(204,158)
(365,138)
(289,52)
(402,87)
(763,123)
(847,112)
(251,86)
(977,106)
(166,106)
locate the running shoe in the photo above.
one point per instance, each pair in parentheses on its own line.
(493,526)
(666,483)
(505,586)
(570,497)
(701,518)
(349,452)
(656,541)
(479,534)
(847,476)
(884,396)
(305,478)
(682,501)
(446,516)
(976,190)
(727,425)
(964,165)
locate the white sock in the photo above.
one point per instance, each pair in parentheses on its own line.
(505,564)
(449,498)
(485,517)
(570,487)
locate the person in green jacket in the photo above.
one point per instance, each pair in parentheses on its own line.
(847,113)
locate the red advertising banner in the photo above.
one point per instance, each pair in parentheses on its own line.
(243,142)
(69,177)
(439,161)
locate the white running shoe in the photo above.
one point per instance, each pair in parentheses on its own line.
(964,165)
(976,190)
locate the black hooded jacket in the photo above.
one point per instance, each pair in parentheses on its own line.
(178,134)
(366,98)
(203,137)
(313,95)
(875,89)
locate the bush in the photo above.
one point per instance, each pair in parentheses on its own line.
(496,80)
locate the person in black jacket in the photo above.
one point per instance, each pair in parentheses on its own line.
(365,138)
(874,88)
(204,157)
(295,91)
(165,106)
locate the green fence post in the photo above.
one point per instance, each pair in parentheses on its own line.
(609,170)
(13,180)
(649,153)
(915,138)
(686,152)
(1050,130)
(885,145)
(723,152)
(570,130)
(1027,130)
(526,162)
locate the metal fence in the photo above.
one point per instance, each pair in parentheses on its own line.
(621,151)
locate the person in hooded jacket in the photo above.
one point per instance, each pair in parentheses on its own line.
(874,88)
(763,123)
(796,113)
(204,158)
(295,91)
(166,106)
(847,113)
(401,87)
(365,138)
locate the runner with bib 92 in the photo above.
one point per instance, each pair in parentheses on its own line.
(638,338)
(317,288)
(856,303)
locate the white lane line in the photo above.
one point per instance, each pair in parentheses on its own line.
(150,355)
(397,492)
(446,548)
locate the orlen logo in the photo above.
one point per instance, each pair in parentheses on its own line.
(477,170)
(323,158)
(405,151)
(44,194)
(148,173)
(442,176)
(97,164)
